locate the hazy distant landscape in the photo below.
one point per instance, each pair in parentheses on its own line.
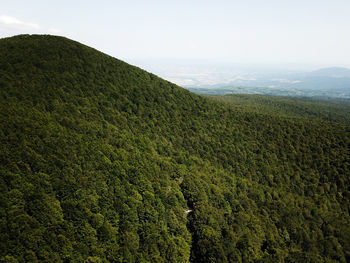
(332,82)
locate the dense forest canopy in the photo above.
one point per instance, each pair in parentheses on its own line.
(100,160)
(333,110)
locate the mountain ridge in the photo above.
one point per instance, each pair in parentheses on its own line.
(338,72)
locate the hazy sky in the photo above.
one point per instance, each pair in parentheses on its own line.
(241,31)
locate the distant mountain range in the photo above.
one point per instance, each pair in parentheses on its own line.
(325,82)
(333,72)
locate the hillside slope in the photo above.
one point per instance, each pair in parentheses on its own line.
(334,110)
(100,160)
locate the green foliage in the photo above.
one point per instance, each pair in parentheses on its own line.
(100,160)
(336,110)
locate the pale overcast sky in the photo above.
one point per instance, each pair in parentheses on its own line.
(241,31)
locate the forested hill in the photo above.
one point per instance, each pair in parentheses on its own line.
(100,160)
(334,110)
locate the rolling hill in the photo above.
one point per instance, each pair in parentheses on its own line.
(101,161)
(333,72)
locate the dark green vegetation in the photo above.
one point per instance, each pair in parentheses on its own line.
(328,92)
(334,110)
(99,161)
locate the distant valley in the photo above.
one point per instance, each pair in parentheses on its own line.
(326,82)
(331,82)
